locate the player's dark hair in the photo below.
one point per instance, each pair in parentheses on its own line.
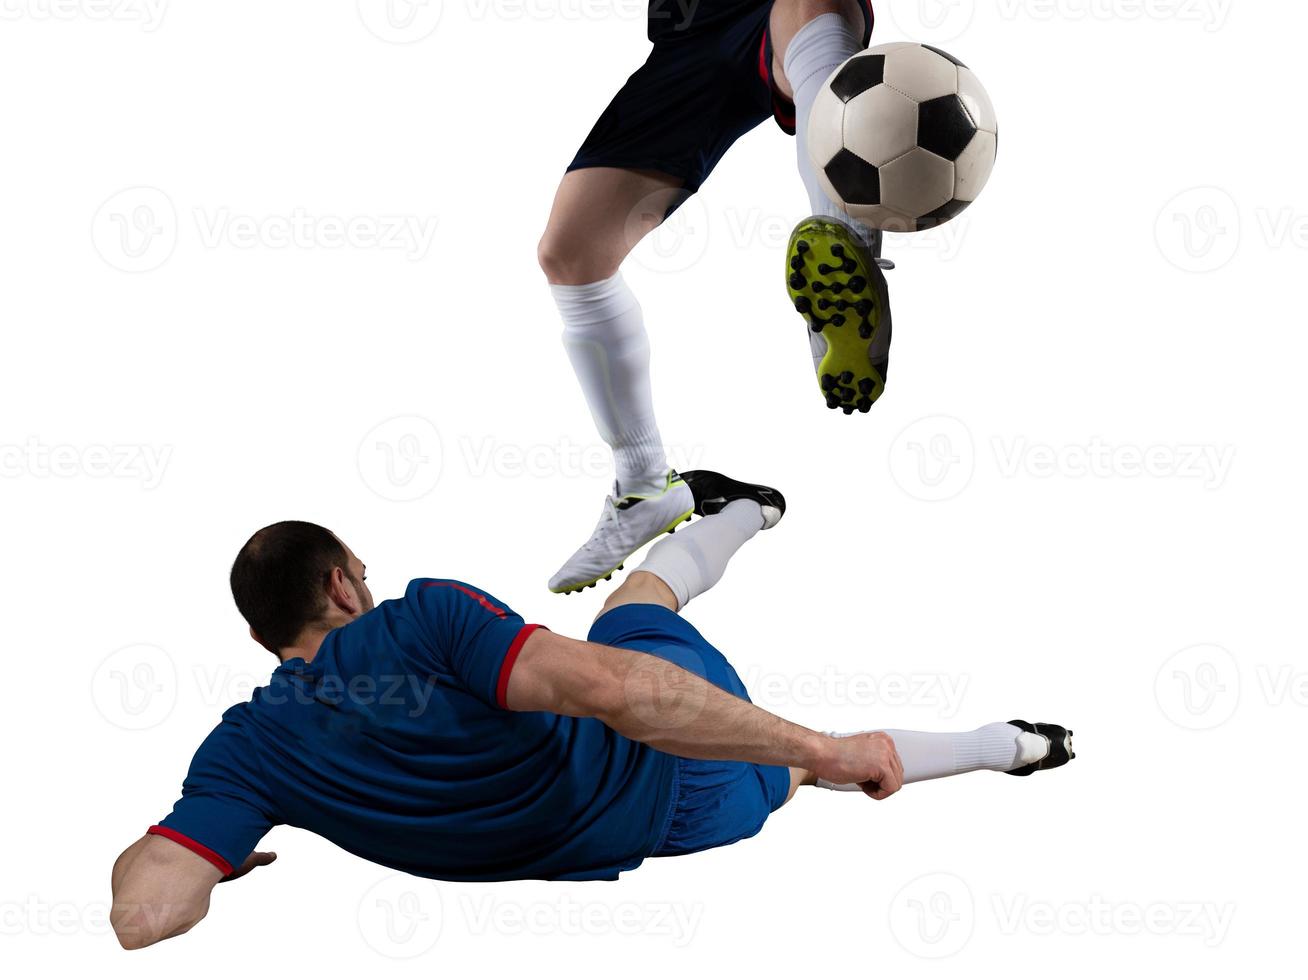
(279,577)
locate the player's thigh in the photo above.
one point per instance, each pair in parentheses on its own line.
(600,214)
(789,16)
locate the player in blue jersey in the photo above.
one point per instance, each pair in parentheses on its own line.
(717,69)
(441,735)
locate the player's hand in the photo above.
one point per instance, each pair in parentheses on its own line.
(257,859)
(870,760)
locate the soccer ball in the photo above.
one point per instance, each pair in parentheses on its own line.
(903,137)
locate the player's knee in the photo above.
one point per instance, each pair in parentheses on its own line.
(566,261)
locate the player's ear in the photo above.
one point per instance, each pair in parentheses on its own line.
(340,593)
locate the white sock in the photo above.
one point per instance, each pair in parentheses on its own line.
(817,50)
(604,334)
(933,755)
(692,561)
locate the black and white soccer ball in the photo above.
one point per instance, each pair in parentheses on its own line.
(903,137)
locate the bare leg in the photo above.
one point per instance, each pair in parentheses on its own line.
(788,16)
(600,214)
(641,588)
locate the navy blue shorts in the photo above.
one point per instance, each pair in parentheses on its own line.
(707,81)
(713,803)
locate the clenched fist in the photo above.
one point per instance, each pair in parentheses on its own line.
(869,759)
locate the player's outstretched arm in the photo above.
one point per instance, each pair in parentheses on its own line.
(161,890)
(656,702)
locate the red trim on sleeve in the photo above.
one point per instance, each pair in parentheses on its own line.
(213,857)
(515,648)
(481,599)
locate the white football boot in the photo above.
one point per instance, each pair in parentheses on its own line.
(626,524)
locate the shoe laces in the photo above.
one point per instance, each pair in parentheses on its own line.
(608,516)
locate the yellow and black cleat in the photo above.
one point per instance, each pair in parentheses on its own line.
(836,284)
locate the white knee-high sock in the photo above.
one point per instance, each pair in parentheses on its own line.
(604,334)
(933,755)
(817,49)
(692,561)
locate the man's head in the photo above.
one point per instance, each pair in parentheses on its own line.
(294,580)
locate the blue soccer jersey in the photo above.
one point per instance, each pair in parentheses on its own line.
(394,743)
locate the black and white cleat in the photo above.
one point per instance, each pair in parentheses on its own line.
(1059,752)
(713,491)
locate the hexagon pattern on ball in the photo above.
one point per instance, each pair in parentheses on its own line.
(903,137)
(920,73)
(887,125)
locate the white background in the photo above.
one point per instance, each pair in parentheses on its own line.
(1080,499)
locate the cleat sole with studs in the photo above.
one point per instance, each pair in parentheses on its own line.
(840,291)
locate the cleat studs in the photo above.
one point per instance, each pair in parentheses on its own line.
(863,307)
(865,405)
(838,320)
(857,284)
(838,250)
(801,246)
(865,386)
(847,409)
(828,382)
(847,394)
(797,263)
(865,332)
(804,305)
(797,281)
(815,326)
(846,377)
